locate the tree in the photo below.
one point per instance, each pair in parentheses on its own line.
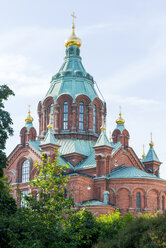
(5,125)
(51,200)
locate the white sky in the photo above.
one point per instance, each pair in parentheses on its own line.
(123,48)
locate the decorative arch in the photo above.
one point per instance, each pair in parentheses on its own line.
(32,134)
(138,188)
(123,187)
(61,100)
(23,136)
(152,196)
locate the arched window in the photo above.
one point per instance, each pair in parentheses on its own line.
(81,116)
(94,118)
(51,114)
(138,202)
(65,115)
(25,171)
(162,203)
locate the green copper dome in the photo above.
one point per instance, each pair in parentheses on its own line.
(72,79)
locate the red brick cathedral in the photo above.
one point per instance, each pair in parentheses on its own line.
(104,174)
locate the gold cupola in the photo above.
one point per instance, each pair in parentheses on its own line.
(29,118)
(73,40)
(120,119)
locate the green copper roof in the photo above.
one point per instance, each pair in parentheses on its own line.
(72,78)
(151,156)
(131,172)
(68,146)
(102,140)
(49,138)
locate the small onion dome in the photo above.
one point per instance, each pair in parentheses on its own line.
(49,126)
(73,40)
(120,119)
(29,117)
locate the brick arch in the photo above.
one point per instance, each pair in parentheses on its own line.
(48,101)
(83,98)
(19,166)
(134,192)
(152,199)
(61,99)
(138,188)
(116,135)
(23,136)
(32,134)
(123,198)
(125,132)
(162,191)
(97,102)
(123,187)
(86,101)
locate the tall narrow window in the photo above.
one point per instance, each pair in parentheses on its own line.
(25,171)
(162,199)
(81,116)
(51,114)
(138,202)
(94,118)
(23,202)
(65,115)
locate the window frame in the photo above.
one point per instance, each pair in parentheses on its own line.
(65,115)
(81,116)
(25,171)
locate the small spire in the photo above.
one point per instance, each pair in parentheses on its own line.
(29,117)
(151,141)
(120,119)
(110,136)
(103,125)
(49,126)
(143,155)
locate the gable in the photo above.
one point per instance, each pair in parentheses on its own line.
(127,157)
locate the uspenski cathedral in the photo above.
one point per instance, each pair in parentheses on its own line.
(105,174)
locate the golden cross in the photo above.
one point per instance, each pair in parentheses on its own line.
(73,15)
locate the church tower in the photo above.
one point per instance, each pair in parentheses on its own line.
(72,101)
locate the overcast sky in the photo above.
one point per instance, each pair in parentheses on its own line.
(123,48)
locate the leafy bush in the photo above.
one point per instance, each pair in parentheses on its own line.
(145,231)
(109,225)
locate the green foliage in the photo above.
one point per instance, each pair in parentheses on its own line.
(110,224)
(5,125)
(146,231)
(50,182)
(7,203)
(81,228)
